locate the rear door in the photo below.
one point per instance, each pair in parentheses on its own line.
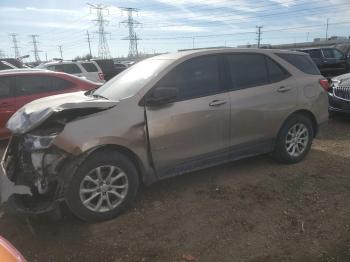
(194,130)
(31,87)
(262,94)
(7,104)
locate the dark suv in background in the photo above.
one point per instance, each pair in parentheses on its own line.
(330,61)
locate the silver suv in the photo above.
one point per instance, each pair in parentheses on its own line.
(165,116)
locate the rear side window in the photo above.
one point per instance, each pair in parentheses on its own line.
(332,53)
(5,87)
(248,70)
(89,67)
(58,84)
(275,71)
(66,68)
(197,77)
(30,85)
(302,62)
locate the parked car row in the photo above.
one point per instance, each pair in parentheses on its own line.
(164,116)
(21,86)
(331,61)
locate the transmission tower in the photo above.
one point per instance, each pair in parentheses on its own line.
(2,55)
(15,44)
(60,51)
(35,47)
(103,50)
(131,23)
(259,33)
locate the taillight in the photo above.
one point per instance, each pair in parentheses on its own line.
(101,76)
(325,84)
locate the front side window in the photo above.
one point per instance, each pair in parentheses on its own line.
(247,70)
(197,77)
(5,87)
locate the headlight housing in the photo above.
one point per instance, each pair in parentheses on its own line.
(37,142)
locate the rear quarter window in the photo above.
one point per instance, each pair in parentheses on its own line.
(301,62)
(89,67)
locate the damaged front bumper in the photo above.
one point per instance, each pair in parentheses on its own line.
(30,178)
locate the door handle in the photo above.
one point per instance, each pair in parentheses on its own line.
(283,89)
(217,103)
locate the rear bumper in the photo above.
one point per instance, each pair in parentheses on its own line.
(338,105)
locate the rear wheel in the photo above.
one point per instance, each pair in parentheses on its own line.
(104,184)
(294,140)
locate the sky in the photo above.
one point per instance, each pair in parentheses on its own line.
(166,25)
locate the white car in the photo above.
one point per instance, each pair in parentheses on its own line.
(89,70)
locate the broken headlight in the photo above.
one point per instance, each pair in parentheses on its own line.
(36,142)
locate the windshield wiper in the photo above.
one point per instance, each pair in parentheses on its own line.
(99,96)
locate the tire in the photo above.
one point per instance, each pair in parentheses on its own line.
(284,138)
(109,176)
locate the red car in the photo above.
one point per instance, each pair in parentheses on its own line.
(9,253)
(21,86)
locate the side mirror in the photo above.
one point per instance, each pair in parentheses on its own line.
(161,96)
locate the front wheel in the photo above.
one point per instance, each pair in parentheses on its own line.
(294,140)
(103,185)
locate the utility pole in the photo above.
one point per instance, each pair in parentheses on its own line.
(327,28)
(131,23)
(35,47)
(103,49)
(88,39)
(15,45)
(60,50)
(46,56)
(259,33)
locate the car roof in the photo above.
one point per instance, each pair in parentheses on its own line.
(196,52)
(22,71)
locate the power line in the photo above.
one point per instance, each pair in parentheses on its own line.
(131,23)
(103,49)
(259,33)
(35,47)
(15,44)
(244,33)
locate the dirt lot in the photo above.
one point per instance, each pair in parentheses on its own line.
(250,210)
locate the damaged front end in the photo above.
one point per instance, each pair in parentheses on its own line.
(31,179)
(31,163)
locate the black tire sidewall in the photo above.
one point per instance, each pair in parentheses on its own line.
(280,152)
(102,157)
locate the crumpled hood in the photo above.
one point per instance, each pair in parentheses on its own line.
(35,113)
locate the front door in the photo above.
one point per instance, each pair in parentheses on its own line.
(193,131)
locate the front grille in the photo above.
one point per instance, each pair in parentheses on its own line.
(342,92)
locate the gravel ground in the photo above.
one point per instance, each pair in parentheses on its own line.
(250,210)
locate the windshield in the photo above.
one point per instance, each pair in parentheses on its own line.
(129,82)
